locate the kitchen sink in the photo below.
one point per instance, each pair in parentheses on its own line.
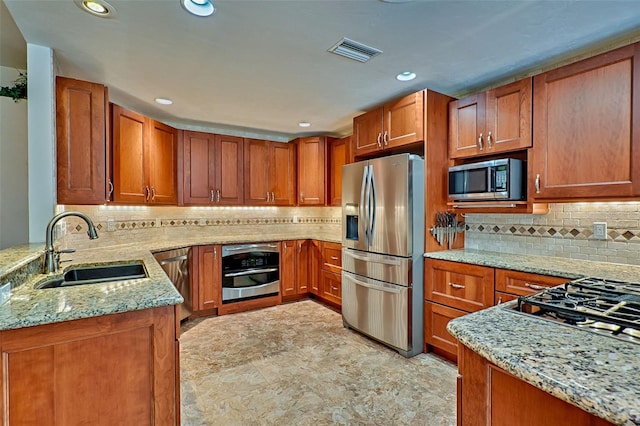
(95,275)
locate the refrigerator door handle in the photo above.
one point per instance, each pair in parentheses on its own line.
(367,203)
(365,258)
(372,209)
(388,288)
(363,209)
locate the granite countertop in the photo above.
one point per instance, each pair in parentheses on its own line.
(595,372)
(23,305)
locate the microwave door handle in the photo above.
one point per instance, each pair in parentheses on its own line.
(363,207)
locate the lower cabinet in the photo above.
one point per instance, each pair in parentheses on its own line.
(436,318)
(331,284)
(206,273)
(75,372)
(488,395)
(331,273)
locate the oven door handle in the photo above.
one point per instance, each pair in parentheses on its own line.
(250,272)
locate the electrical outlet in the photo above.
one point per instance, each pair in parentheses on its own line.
(295,219)
(111,225)
(600,230)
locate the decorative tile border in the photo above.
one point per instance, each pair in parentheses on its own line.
(621,235)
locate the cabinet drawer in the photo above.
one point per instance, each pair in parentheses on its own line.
(459,285)
(523,283)
(503,297)
(331,257)
(332,287)
(436,318)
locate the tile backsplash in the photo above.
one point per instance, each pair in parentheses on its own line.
(126,224)
(566,231)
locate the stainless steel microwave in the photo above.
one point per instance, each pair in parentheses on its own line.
(503,179)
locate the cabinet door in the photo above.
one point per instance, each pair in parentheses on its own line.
(256,172)
(163,149)
(508,117)
(586,127)
(199,159)
(436,318)
(282,175)
(302,266)
(229,170)
(81,144)
(466,126)
(459,285)
(130,170)
(404,121)
(315,262)
(367,132)
(311,171)
(209,277)
(338,157)
(288,268)
(331,287)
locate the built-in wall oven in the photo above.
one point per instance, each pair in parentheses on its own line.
(250,271)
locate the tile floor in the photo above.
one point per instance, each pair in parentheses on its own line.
(296,364)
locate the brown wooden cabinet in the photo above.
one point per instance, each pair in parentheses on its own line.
(144,159)
(330,287)
(311,170)
(314,254)
(206,277)
(288,267)
(269,173)
(213,169)
(82,143)
(498,120)
(298,273)
(524,283)
(114,369)
(338,157)
(395,124)
(488,395)
(587,129)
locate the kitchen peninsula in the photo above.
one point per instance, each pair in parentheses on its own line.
(501,347)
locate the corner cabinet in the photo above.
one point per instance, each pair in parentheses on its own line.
(144,159)
(587,129)
(119,369)
(338,152)
(295,269)
(498,120)
(269,173)
(311,154)
(82,142)
(394,124)
(206,277)
(213,169)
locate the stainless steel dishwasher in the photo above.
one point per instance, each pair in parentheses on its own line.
(176,265)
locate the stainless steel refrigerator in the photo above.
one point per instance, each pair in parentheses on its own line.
(382,254)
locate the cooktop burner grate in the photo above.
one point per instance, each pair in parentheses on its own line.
(605,306)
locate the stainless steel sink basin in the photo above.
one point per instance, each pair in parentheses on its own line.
(95,274)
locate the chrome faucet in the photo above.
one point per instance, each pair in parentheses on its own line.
(52,258)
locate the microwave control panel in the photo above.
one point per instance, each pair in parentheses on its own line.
(501,173)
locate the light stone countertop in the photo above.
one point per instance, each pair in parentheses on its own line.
(595,372)
(23,305)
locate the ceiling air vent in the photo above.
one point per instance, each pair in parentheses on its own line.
(354,50)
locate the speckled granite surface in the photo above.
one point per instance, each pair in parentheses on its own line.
(595,372)
(544,265)
(27,306)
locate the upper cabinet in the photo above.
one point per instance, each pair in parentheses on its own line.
(587,129)
(494,121)
(338,152)
(394,124)
(269,173)
(82,148)
(311,170)
(144,159)
(212,169)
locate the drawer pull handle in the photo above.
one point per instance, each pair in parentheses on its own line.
(454,285)
(334,257)
(534,286)
(499,300)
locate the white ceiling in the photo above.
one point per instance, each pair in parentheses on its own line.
(258,67)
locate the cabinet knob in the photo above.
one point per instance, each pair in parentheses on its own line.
(480,141)
(499,300)
(489,140)
(538,183)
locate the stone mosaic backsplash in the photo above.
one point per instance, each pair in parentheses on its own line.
(126,224)
(566,231)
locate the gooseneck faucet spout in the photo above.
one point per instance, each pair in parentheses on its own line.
(50,264)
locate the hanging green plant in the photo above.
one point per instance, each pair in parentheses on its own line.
(18,90)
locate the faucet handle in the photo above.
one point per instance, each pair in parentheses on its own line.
(56,256)
(69,250)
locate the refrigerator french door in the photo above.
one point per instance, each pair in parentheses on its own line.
(383,243)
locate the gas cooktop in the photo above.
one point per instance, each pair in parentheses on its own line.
(604,306)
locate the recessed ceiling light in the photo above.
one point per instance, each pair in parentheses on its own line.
(304,124)
(406,76)
(97,8)
(164,101)
(198,7)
